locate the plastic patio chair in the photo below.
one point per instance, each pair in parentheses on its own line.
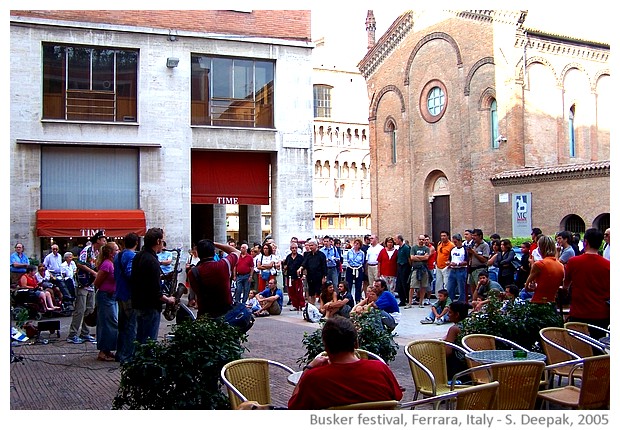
(519,382)
(248,379)
(427,361)
(592,393)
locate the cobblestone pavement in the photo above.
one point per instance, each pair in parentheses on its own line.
(64,376)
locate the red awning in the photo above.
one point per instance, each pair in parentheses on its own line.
(238,178)
(83,223)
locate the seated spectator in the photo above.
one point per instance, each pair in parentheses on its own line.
(270,300)
(252,302)
(44,278)
(366,303)
(344,300)
(326,299)
(481,293)
(347,375)
(28,280)
(387,304)
(457,312)
(439,311)
(511,297)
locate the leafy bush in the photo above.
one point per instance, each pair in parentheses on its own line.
(181,373)
(520,322)
(371,337)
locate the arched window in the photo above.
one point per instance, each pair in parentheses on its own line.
(571,131)
(392,134)
(574,224)
(494,125)
(337,168)
(326,170)
(340,192)
(345,170)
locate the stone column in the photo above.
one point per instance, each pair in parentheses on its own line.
(255,232)
(219,223)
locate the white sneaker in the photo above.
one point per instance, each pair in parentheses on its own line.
(427,302)
(426,320)
(439,321)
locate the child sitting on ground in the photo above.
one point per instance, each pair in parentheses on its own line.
(439,311)
(252,302)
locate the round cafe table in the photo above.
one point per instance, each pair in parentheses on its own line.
(501,356)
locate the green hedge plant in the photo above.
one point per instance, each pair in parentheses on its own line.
(183,372)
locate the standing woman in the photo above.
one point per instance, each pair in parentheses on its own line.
(524,270)
(504,261)
(265,262)
(105,301)
(355,269)
(546,275)
(492,267)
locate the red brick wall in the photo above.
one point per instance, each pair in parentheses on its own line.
(284,24)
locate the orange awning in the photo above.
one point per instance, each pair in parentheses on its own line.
(85,223)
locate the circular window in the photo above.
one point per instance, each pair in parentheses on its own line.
(433,101)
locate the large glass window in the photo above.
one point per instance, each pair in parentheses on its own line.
(232,92)
(89,83)
(322,101)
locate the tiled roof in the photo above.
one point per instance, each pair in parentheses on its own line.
(592,167)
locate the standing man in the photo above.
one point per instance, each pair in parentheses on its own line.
(53,261)
(211,279)
(146,295)
(606,251)
(587,276)
(478,255)
(419,271)
(403,270)
(430,265)
(126,314)
(292,263)
(444,247)
(565,250)
(241,274)
(372,255)
(315,265)
(85,292)
(364,249)
(457,278)
(19,263)
(333,258)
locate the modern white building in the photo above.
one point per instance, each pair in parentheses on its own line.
(125,120)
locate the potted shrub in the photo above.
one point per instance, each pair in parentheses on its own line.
(182,372)
(371,336)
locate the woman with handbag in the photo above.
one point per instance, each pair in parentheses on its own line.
(106,307)
(265,262)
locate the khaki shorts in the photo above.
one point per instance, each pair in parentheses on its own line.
(275,308)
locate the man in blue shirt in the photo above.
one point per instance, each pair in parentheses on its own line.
(333,258)
(126,315)
(19,262)
(270,300)
(387,304)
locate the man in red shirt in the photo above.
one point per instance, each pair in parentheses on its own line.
(587,277)
(212,287)
(242,273)
(347,378)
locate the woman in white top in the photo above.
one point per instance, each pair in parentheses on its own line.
(265,263)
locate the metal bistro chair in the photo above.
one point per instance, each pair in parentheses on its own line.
(379,405)
(427,361)
(594,390)
(518,382)
(248,379)
(563,345)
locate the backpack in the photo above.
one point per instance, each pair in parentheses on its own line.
(311,313)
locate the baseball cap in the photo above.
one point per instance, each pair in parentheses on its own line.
(97,236)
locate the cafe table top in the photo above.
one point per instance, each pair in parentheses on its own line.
(502,355)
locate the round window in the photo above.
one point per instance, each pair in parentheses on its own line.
(433,101)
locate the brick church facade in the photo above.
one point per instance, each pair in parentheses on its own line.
(478,121)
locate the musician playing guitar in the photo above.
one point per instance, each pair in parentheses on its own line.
(85,293)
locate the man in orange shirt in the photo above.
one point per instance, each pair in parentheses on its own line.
(443,258)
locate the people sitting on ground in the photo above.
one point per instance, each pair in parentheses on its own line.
(347,374)
(326,300)
(270,300)
(481,293)
(387,304)
(344,301)
(252,302)
(457,312)
(439,310)
(364,304)
(511,297)
(43,297)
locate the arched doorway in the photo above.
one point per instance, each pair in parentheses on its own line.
(440,206)
(601,222)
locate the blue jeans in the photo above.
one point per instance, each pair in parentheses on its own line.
(126,331)
(457,279)
(107,321)
(243,288)
(147,322)
(332,275)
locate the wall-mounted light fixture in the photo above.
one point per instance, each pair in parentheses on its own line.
(172,37)
(172,62)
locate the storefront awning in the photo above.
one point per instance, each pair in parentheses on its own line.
(238,178)
(85,223)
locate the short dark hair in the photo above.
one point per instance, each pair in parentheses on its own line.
(382,282)
(594,238)
(495,236)
(536,231)
(483,273)
(345,284)
(205,248)
(443,291)
(513,289)
(131,240)
(152,236)
(339,335)
(461,308)
(477,232)
(443,231)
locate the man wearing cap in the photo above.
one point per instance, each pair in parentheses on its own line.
(85,292)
